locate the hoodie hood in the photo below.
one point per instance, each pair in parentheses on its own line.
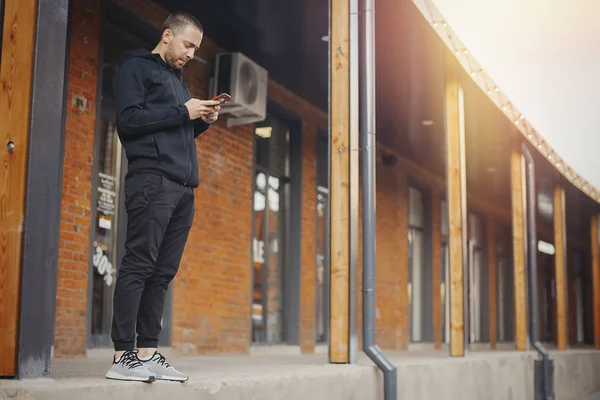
(142,53)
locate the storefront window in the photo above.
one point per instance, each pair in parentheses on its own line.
(504,298)
(504,284)
(104,257)
(109,217)
(322,241)
(445,272)
(477,281)
(547,291)
(271,198)
(416,226)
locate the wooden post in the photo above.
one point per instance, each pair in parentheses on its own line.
(560,241)
(16,75)
(596,278)
(436,264)
(340,181)
(455,181)
(518,224)
(491,249)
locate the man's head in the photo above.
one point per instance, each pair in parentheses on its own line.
(182,35)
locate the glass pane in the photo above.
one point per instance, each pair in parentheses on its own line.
(104,258)
(579,293)
(500,288)
(270,225)
(476,229)
(268,256)
(546,289)
(272,150)
(445,295)
(322,267)
(258,255)
(415,208)
(323,161)
(415,240)
(476,295)
(509,300)
(275,262)
(444,219)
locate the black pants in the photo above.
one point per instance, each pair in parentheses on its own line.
(159,217)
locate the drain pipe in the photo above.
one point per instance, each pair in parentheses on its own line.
(367,135)
(532,260)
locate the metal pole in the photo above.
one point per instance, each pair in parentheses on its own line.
(532,276)
(354,180)
(367,134)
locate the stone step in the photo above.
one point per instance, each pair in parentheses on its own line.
(421,376)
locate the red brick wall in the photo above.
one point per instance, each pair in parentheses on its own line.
(309,229)
(73,258)
(389,290)
(212,290)
(391,279)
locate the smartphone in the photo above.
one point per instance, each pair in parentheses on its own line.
(222,98)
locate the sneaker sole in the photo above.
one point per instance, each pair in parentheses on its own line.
(119,377)
(172,378)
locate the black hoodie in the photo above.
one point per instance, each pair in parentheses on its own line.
(153,123)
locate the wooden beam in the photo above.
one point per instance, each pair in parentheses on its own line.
(436,264)
(455,171)
(595,277)
(560,244)
(340,181)
(520,281)
(16,75)
(491,250)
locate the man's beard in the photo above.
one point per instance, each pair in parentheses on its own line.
(173,61)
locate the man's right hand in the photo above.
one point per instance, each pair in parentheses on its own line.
(198,108)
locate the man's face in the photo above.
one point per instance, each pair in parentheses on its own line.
(181,45)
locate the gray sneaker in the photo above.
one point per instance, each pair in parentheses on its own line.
(129,368)
(160,368)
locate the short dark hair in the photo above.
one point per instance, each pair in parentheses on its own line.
(180,19)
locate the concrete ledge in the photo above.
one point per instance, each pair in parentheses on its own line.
(576,373)
(421,376)
(302,383)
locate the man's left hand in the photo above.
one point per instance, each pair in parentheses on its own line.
(212,117)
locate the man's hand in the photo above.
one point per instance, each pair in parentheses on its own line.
(212,116)
(201,108)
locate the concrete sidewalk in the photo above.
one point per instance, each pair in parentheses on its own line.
(482,375)
(257,377)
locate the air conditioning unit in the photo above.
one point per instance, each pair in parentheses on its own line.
(246,82)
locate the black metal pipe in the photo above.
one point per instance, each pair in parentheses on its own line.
(532,260)
(367,135)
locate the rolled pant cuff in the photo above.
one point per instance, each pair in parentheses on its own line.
(124,346)
(147,344)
